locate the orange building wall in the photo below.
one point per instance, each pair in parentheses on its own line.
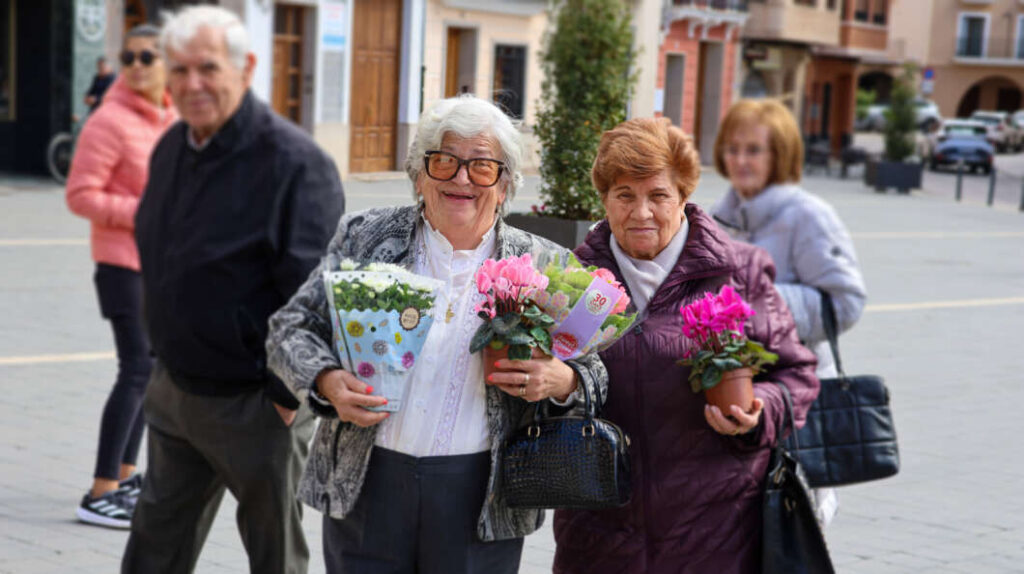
(678,41)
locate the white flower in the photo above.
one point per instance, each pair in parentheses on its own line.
(386,268)
(348,265)
(377,282)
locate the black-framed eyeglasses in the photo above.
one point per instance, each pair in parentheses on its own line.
(482,171)
(145,57)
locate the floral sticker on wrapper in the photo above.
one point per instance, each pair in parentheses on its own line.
(380,315)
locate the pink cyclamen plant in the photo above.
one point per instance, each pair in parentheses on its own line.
(716,325)
(511,317)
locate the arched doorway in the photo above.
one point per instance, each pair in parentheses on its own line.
(878,82)
(992,93)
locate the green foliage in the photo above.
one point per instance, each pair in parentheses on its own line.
(708,366)
(587,60)
(520,332)
(901,120)
(865,99)
(395,297)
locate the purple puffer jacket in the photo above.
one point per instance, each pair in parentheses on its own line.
(696,504)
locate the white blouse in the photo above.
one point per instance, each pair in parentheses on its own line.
(445,411)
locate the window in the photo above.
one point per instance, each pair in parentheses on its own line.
(860,11)
(971,33)
(806,2)
(7,60)
(831,5)
(881,10)
(1019,45)
(510,78)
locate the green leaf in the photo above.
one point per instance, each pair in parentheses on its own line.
(541,335)
(504,324)
(710,377)
(519,337)
(519,352)
(482,336)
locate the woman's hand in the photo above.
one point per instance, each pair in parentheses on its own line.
(348,396)
(538,378)
(744,423)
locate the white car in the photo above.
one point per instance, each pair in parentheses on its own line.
(926,114)
(1002,131)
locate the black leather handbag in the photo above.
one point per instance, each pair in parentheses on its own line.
(572,461)
(791,541)
(850,436)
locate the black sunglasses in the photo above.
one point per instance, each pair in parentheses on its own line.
(146,57)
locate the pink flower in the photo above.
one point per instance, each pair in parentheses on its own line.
(604,274)
(621,305)
(486,307)
(408,359)
(366,370)
(483,282)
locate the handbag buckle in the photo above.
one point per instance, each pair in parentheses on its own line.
(531,429)
(590,426)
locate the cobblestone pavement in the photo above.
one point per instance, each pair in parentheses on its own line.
(947,303)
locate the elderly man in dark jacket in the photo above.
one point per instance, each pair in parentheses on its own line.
(239,207)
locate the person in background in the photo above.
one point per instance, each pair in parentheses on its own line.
(107,176)
(103,79)
(760,151)
(239,207)
(698,473)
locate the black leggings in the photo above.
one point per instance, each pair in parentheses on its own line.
(120,295)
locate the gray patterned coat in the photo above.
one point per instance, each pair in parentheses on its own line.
(299,348)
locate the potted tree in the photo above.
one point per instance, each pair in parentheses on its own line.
(894,170)
(587,60)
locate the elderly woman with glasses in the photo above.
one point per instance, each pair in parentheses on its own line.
(416,490)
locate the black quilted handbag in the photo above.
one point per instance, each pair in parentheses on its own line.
(571,461)
(849,436)
(791,539)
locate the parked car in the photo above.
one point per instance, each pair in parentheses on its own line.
(1001,130)
(975,153)
(948,129)
(926,114)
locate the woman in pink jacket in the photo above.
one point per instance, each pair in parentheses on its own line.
(108,175)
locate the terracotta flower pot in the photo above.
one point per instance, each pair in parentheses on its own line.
(735,388)
(491,355)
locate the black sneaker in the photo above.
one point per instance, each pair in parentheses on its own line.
(131,487)
(111,509)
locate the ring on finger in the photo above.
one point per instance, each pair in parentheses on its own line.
(522,390)
(526,381)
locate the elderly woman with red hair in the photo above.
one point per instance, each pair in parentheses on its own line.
(698,473)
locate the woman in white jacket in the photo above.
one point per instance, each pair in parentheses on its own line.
(760,151)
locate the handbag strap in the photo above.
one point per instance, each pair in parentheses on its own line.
(787,399)
(828,319)
(591,409)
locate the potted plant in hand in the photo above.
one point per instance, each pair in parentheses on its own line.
(723,361)
(900,125)
(587,60)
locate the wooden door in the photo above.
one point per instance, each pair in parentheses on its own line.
(376,31)
(287,75)
(134,14)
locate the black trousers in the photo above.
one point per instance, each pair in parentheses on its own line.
(418,516)
(120,297)
(200,445)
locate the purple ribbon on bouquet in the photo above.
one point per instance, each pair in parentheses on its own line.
(569,339)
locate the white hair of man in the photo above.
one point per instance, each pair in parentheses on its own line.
(182,26)
(468,116)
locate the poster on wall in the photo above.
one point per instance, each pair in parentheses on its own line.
(91,19)
(333,32)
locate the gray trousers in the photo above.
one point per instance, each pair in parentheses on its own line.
(197,447)
(418,516)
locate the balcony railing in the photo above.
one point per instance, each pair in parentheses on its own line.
(991,48)
(731,5)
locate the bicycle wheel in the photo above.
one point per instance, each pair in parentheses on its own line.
(58,156)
